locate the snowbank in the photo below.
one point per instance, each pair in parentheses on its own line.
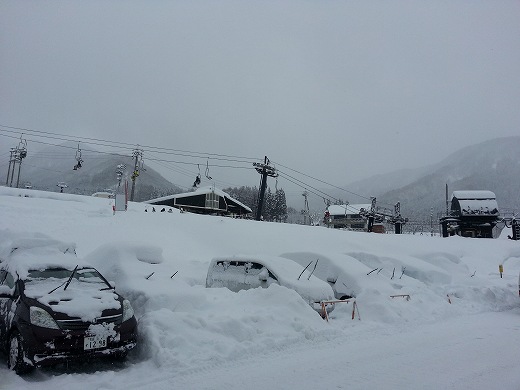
(160,261)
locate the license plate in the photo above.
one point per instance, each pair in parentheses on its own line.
(94,342)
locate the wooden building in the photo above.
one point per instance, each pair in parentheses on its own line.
(205,200)
(472,214)
(346,216)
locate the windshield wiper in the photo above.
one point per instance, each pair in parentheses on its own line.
(304,269)
(67,282)
(70,278)
(314,269)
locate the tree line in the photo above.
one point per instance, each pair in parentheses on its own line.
(275,204)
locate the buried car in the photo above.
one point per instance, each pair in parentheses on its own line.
(332,270)
(245,272)
(55,307)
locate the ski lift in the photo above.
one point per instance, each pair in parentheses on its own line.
(78,159)
(22,148)
(207,171)
(197,178)
(197,181)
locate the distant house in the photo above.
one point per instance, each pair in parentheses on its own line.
(346,216)
(472,214)
(205,200)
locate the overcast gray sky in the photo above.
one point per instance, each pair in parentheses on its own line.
(339,90)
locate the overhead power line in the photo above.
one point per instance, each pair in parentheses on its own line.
(129,146)
(161,155)
(324,182)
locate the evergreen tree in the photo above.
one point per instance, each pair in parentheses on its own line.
(275,205)
(280,206)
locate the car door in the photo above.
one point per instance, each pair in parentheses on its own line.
(7,287)
(258,275)
(230,274)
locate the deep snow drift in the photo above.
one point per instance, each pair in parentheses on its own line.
(433,312)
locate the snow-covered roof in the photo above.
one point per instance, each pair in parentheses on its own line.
(201,191)
(480,194)
(476,203)
(339,209)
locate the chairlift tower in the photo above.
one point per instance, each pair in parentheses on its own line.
(265,170)
(138,156)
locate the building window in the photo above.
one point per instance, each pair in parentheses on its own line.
(212,201)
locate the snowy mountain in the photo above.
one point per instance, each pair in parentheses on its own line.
(492,165)
(44,169)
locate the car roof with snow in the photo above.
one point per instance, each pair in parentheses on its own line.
(21,252)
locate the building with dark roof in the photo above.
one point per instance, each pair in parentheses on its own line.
(205,200)
(472,214)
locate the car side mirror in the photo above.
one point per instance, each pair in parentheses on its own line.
(6,292)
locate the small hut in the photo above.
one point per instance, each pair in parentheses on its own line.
(472,214)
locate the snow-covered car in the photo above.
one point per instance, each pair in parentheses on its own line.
(245,272)
(328,269)
(55,307)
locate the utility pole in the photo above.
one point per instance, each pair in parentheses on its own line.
(11,162)
(138,155)
(306,208)
(431,221)
(17,155)
(265,170)
(398,220)
(371,216)
(447,201)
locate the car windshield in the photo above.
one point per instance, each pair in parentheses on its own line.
(60,275)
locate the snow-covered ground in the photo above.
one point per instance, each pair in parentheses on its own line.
(459,329)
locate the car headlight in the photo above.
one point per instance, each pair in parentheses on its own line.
(42,318)
(128,311)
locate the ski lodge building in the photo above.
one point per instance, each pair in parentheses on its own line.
(204,200)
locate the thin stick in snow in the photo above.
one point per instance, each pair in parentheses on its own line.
(375,269)
(149,276)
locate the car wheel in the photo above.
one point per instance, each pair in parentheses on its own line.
(16,357)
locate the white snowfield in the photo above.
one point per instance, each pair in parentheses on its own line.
(433,313)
